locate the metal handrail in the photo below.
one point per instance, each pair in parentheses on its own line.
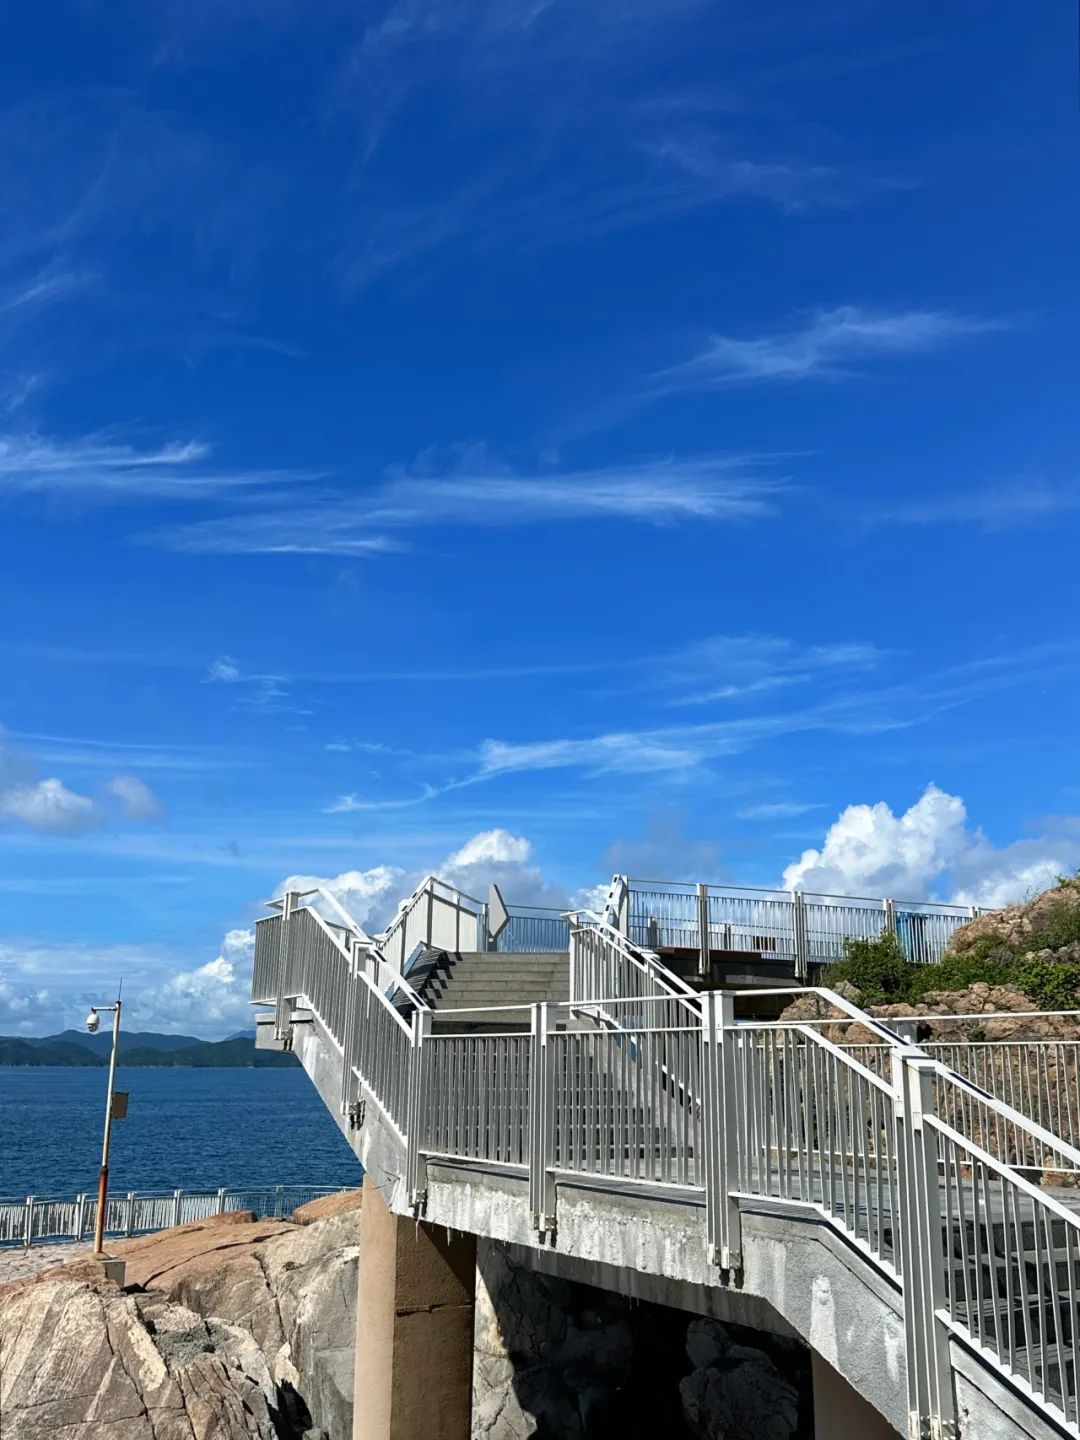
(804,927)
(688,887)
(52,1218)
(365,943)
(645,960)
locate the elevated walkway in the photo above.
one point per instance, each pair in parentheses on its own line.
(641,1137)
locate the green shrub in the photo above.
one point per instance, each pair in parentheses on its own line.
(879,968)
(883,973)
(957,972)
(1052,986)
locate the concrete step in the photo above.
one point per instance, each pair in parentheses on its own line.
(497,966)
(481,980)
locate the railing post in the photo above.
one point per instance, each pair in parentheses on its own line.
(221,1201)
(712,1121)
(889,906)
(416,1120)
(80,1216)
(730,1218)
(541,1124)
(622,918)
(931,1405)
(178,1196)
(719,1124)
(351,969)
(28,1222)
(799,935)
(281,1018)
(129,1223)
(704,951)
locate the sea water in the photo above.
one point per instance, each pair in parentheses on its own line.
(194,1129)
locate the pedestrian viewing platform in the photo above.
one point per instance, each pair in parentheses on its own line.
(613,1108)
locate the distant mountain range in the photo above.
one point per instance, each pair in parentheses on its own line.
(139,1048)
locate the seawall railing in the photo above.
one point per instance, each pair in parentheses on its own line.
(39,1219)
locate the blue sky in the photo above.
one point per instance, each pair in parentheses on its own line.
(527,439)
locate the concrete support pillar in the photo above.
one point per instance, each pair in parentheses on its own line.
(414,1328)
(841,1413)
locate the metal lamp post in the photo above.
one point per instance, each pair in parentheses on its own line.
(93,1022)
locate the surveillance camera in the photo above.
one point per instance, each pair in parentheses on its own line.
(93,1022)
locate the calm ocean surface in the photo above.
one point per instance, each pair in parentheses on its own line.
(192,1128)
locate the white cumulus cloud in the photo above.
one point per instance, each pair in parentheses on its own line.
(496,847)
(212,997)
(50,806)
(928,851)
(370,896)
(500,858)
(137,800)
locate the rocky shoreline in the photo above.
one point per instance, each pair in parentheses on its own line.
(225,1328)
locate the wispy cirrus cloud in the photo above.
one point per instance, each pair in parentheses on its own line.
(713,169)
(671,490)
(42,287)
(1020,502)
(776,810)
(855,708)
(736,667)
(103,467)
(599,145)
(829,345)
(264,694)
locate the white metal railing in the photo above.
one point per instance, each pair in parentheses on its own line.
(790,926)
(655,1087)
(440,915)
(435,914)
(533,928)
(605,964)
(813,1125)
(1036,1078)
(1004,1267)
(344,979)
(42,1218)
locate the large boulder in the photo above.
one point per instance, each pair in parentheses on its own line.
(736,1391)
(92,1363)
(1018,927)
(282,1294)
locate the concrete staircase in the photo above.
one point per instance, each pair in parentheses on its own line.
(473,980)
